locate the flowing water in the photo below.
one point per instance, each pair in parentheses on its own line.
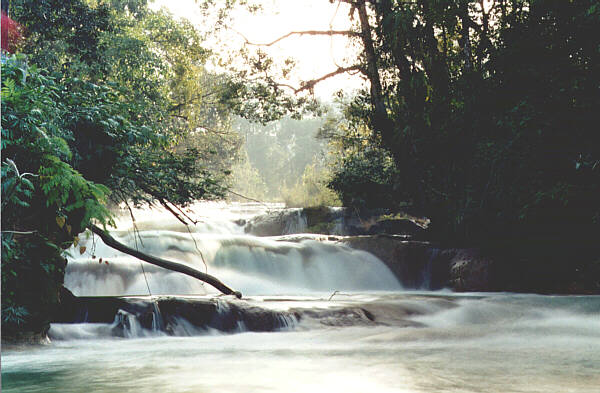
(371,335)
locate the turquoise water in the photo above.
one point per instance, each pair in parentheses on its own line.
(430,343)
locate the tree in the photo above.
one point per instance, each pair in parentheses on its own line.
(45,201)
(109,114)
(156,65)
(485,109)
(280,151)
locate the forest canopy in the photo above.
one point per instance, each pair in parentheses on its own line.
(479,115)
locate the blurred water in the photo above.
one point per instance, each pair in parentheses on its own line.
(218,245)
(497,343)
(418,341)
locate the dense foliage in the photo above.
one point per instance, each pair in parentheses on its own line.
(486,112)
(45,201)
(107,102)
(162,99)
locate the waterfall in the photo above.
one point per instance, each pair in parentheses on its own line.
(251,264)
(297,223)
(426,280)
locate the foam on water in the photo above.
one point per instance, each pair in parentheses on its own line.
(413,342)
(519,345)
(252,265)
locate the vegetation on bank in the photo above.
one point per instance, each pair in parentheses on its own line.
(480,115)
(105,102)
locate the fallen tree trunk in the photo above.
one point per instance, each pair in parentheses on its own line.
(174,266)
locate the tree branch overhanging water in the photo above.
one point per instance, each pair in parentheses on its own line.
(170,265)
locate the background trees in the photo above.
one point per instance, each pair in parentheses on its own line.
(486,110)
(280,152)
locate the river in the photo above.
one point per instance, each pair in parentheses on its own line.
(371,335)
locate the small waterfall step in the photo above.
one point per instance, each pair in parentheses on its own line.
(170,314)
(134,317)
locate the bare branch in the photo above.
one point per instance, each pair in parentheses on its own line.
(309,85)
(21,232)
(136,231)
(348,33)
(187,226)
(184,214)
(271,82)
(248,198)
(166,264)
(173,212)
(278,84)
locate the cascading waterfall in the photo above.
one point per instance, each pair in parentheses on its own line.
(297,223)
(395,341)
(250,264)
(157,320)
(253,265)
(427,271)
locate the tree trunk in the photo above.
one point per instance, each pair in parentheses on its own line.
(434,62)
(382,124)
(465,40)
(174,266)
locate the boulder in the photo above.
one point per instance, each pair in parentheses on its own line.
(416,264)
(471,271)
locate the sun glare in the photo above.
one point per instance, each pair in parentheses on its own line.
(315,55)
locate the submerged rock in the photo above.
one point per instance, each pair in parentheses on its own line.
(130,317)
(344,316)
(173,315)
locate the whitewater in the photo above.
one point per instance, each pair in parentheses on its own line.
(316,316)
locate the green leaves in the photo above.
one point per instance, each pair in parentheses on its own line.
(17,190)
(492,114)
(66,190)
(43,197)
(14,315)
(115,112)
